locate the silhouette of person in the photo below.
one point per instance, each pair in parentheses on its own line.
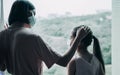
(22,51)
(86,63)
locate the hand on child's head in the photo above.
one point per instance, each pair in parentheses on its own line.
(83,31)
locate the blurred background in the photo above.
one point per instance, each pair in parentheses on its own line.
(57,18)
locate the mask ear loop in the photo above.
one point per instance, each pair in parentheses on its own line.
(33,12)
(6,26)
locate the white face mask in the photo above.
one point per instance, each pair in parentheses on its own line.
(32,20)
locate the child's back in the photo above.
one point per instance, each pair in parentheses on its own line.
(84,67)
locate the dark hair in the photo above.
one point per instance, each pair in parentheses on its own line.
(19,11)
(97,51)
(87,41)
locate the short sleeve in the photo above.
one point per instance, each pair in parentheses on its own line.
(46,53)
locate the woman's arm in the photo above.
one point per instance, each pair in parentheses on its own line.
(64,60)
(72,68)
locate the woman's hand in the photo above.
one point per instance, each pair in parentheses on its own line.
(82,32)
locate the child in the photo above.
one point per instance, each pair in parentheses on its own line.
(86,63)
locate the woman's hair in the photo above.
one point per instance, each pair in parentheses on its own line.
(19,11)
(87,41)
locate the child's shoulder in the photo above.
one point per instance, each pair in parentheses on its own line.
(75,60)
(95,59)
(78,60)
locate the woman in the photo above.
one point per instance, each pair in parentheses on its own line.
(22,51)
(86,63)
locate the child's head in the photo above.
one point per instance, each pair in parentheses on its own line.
(86,41)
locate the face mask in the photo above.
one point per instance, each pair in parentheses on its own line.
(32,20)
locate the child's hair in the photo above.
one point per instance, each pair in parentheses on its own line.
(87,41)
